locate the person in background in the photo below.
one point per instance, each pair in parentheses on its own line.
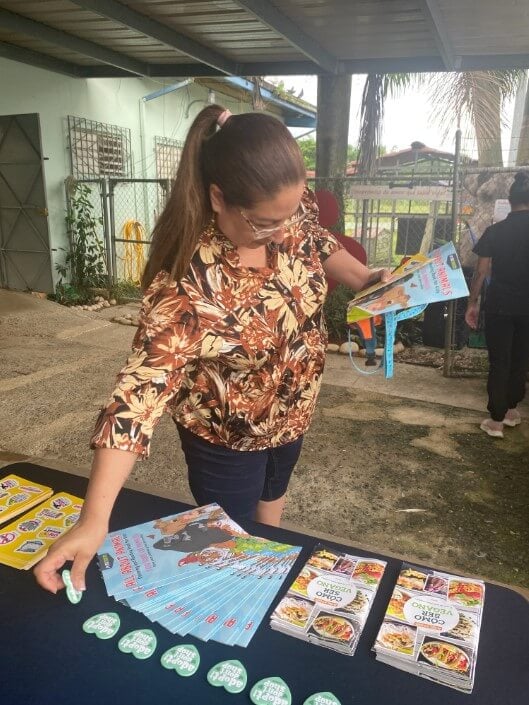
(503,251)
(231,339)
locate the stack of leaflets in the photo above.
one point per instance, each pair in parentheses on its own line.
(419,280)
(18,494)
(27,539)
(431,627)
(328,603)
(197,572)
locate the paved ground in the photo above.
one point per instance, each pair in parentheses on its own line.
(399,465)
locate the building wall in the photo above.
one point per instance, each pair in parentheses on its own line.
(26,89)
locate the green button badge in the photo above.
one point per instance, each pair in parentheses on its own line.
(71,593)
(140,643)
(322,699)
(230,675)
(104,625)
(271,690)
(183,659)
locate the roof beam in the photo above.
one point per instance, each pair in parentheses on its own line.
(37,30)
(41,61)
(155,71)
(436,24)
(472,62)
(280,23)
(152,28)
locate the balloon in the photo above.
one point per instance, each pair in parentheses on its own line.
(329,209)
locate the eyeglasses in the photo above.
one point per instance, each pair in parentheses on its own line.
(262,233)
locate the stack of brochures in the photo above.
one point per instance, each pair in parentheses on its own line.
(419,280)
(431,626)
(329,601)
(26,540)
(197,573)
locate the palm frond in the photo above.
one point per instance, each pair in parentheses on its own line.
(475,96)
(376,88)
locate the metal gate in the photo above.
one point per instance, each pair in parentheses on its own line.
(134,207)
(25,258)
(126,211)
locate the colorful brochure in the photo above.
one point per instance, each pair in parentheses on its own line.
(329,601)
(197,572)
(432,625)
(27,539)
(17,495)
(420,280)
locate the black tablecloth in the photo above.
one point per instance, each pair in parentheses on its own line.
(47,659)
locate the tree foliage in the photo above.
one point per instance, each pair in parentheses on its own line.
(308,150)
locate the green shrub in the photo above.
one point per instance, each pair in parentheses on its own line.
(84,264)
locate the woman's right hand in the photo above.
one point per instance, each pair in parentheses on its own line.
(79,545)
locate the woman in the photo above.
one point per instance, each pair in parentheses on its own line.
(231,339)
(503,250)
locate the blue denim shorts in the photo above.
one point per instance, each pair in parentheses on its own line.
(237,479)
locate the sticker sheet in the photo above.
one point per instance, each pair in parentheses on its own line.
(26,540)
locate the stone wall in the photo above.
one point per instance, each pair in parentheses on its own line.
(480,191)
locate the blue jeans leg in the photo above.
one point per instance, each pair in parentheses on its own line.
(237,479)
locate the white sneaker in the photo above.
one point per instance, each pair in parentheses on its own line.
(492,428)
(512,418)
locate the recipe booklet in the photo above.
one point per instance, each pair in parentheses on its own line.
(431,626)
(17,495)
(329,601)
(27,539)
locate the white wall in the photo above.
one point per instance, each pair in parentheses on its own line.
(26,89)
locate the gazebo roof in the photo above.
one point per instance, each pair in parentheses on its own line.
(104,38)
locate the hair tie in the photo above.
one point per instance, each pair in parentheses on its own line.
(223,117)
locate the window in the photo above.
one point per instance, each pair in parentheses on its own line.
(167,152)
(98,149)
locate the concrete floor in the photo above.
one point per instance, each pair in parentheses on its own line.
(58,365)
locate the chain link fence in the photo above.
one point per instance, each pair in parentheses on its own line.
(125,211)
(134,207)
(393,215)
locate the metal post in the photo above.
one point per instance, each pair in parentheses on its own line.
(106,230)
(363,226)
(450,318)
(112,218)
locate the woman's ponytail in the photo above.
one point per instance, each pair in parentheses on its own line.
(188,211)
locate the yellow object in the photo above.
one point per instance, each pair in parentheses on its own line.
(17,495)
(133,261)
(27,539)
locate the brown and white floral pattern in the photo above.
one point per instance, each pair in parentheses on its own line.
(234,354)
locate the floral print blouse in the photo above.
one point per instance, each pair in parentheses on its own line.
(235,354)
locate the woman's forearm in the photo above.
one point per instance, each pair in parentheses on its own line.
(110,470)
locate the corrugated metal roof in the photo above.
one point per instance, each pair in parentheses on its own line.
(260,37)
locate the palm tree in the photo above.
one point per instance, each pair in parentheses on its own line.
(477,97)
(377,87)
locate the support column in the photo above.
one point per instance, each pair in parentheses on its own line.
(334,100)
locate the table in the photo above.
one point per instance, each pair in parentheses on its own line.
(48,660)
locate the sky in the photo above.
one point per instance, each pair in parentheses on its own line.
(407,118)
